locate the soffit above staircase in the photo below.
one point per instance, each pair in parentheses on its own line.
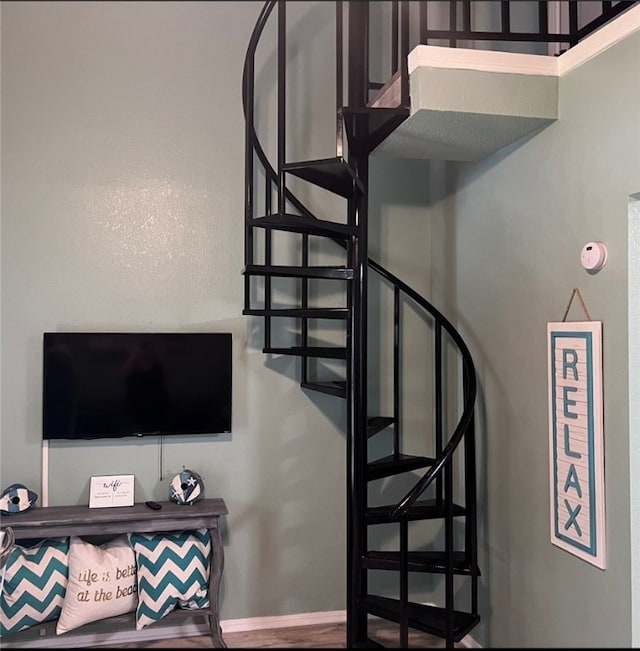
(468,104)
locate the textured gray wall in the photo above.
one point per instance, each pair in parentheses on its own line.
(122,209)
(514,225)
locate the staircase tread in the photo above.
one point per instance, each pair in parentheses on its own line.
(419,510)
(302,313)
(430,619)
(333,174)
(334,352)
(419,561)
(332,387)
(377,424)
(302,224)
(372,110)
(396,465)
(339,272)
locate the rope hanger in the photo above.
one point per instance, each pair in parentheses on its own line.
(584,307)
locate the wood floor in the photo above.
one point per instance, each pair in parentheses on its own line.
(316,636)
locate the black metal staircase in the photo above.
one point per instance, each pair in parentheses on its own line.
(440,487)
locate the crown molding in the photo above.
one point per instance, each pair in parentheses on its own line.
(610,34)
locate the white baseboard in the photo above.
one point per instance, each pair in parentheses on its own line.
(305,619)
(185,630)
(283,621)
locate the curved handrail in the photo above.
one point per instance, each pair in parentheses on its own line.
(251,50)
(469,399)
(470,393)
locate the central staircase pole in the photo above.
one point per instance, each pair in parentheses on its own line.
(358,31)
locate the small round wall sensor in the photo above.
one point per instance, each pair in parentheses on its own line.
(593,256)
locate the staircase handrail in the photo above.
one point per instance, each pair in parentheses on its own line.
(272,175)
(470,390)
(470,393)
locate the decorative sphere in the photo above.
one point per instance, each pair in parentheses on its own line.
(186,487)
(17,498)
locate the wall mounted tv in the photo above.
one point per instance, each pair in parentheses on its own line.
(110,385)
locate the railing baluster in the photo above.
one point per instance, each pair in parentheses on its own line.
(267,261)
(304,362)
(438,397)
(453,23)
(394,36)
(248,173)
(448,545)
(573,23)
(358,62)
(404,581)
(466,17)
(396,372)
(404,54)
(423,21)
(339,79)
(543,18)
(505,17)
(471,524)
(282,98)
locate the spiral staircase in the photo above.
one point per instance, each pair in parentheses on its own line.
(438,488)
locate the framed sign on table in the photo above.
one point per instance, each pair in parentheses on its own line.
(111,490)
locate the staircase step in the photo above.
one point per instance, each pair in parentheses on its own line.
(332,352)
(368,644)
(430,619)
(396,465)
(376,424)
(301,313)
(435,562)
(333,388)
(333,174)
(282,271)
(367,127)
(420,510)
(306,225)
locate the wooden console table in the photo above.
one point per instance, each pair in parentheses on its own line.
(61,521)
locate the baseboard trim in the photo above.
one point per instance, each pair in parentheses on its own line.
(304,619)
(283,621)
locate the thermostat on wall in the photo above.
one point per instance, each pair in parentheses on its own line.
(593,256)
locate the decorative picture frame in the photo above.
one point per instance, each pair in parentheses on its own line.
(111,490)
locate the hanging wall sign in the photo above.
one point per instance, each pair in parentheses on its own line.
(576,450)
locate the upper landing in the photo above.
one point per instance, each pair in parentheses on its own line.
(467,104)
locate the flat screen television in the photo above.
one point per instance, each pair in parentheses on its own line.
(111,385)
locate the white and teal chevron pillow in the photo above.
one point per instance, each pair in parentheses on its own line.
(35,583)
(173,572)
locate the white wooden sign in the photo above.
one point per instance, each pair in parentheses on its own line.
(111,490)
(576,450)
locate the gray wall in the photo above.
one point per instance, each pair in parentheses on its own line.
(122,178)
(122,209)
(514,226)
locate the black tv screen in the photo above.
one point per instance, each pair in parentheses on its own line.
(109,385)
